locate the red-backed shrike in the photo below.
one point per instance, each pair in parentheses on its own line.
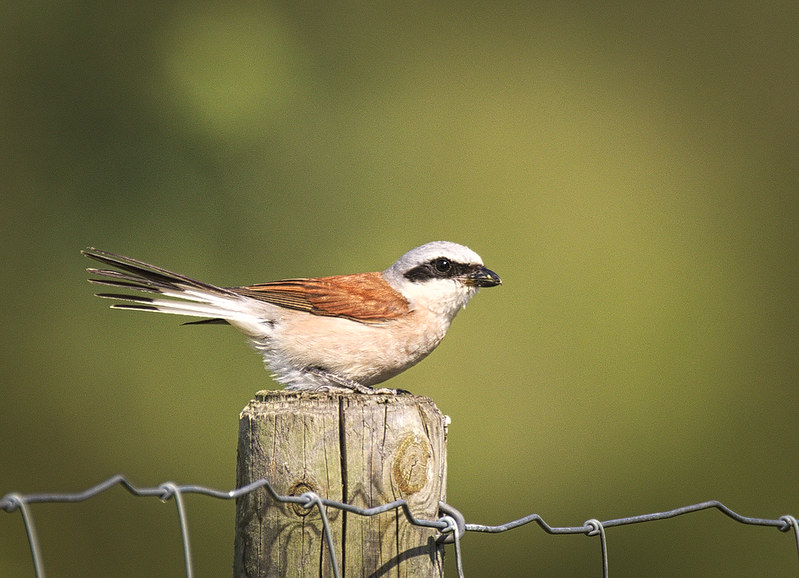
(325,333)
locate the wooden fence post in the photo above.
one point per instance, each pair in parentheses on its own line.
(363,450)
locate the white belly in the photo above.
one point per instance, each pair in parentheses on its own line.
(365,353)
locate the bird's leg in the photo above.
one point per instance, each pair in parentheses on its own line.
(345,384)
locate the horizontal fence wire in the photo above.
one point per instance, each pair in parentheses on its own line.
(451,524)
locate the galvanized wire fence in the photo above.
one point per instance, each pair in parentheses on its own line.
(451,524)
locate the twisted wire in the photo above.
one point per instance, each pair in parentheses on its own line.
(451,523)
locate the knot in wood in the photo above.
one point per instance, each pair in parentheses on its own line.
(299,489)
(412,464)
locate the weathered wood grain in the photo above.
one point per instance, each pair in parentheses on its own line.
(364,450)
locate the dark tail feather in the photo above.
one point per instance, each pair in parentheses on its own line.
(207,322)
(142,276)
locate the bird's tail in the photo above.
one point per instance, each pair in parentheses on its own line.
(175,293)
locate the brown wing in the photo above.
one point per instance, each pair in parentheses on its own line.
(364,297)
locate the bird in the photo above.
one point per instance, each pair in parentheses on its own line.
(339,333)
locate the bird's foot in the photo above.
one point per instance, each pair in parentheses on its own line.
(338,383)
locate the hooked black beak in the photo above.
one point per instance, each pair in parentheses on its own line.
(483,277)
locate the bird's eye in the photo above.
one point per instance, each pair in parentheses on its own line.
(442,265)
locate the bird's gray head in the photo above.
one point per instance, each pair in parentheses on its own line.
(442,276)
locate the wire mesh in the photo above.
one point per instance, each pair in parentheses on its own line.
(451,524)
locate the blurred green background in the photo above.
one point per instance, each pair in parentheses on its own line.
(629,169)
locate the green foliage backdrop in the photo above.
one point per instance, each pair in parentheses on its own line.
(630,170)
